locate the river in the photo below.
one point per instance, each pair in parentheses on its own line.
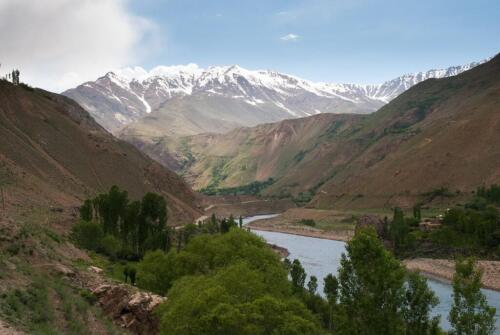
(320,257)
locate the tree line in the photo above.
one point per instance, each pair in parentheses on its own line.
(472,228)
(112,224)
(233,283)
(13,76)
(119,227)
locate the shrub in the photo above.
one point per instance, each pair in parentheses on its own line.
(110,245)
(308,222)
(88,235)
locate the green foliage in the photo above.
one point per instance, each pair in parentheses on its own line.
(232,301)
(441,192)
(491,194)
(29,307)
(225,284)
(376,296)
(253,188)
(419,300)
(227,224)
(470,313)
(298,275)
(417,212)
(86,211)
(156,271)
(308,222)
(371,283)
(303,197)
(399,230)
(475,230)
(205,254)
(312,285)
(110,246)
(130,228)
(331,288)
(88,235)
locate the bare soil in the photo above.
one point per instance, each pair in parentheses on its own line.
(444,269)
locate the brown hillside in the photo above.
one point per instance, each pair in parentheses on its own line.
(52,153)
(244,155)
(440,133)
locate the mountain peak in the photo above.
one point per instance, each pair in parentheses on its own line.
(132,93)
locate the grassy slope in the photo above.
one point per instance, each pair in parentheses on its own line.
(266,151)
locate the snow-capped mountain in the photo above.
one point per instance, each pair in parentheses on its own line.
(122,97)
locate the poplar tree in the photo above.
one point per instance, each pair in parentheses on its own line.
(470,313)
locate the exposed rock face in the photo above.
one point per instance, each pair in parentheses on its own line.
(129,308)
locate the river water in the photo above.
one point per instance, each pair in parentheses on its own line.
(319,257)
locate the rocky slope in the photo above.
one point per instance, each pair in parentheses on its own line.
(188,100)
(53,154)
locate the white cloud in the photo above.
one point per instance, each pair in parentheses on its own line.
(290,37)
(140,73)
(58,44)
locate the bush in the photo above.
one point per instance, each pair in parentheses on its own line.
(308,222)
(88,235)
(111,246)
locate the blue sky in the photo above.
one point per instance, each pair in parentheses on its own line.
(63,43)
(359,41)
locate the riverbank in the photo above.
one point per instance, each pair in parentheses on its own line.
(337,226)
(438,269)
(443,269)
(328,224)
(306,232)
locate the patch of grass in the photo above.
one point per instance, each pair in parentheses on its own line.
(308,222)
(441,192)
(253,188)
(112,269)
(29,308)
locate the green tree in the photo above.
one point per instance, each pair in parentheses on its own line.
(371,287)
(237,299)
(419,301)
(331,290)
(312,285)
(156,272)
(298,275)
(400,231)
(132,272)
(470,313)
(125,273)
(224,226)
(214,225)
(190,230)
(417,213)
(110,246)
(87,211)
(88,235)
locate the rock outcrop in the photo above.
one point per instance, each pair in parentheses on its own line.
(129,308)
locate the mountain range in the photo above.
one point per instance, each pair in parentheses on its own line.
(440,134)
(187,100)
